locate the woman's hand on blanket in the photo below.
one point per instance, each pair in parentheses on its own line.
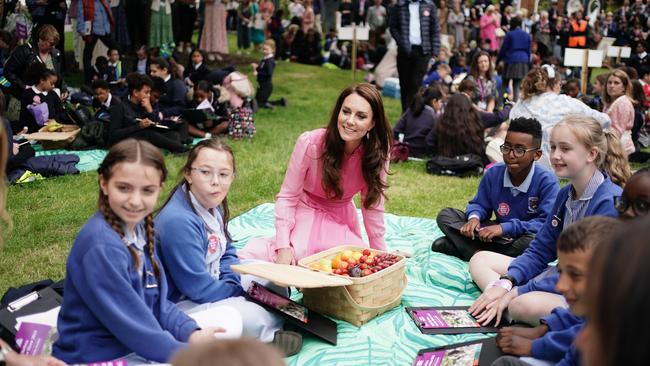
(470,228)
(204,335)
(285,256)
(489,296)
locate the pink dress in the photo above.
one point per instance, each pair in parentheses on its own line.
(214,37)
(489,25)
(308,222)
(621,112)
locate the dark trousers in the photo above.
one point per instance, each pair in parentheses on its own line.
(243,36)
(411,69)
(137,21)
(264,92)
(183,22)
(450,220)
(88,53)
(164,139)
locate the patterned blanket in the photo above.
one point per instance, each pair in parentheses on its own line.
(392,338)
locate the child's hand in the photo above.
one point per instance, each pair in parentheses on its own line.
(514,344)
(146,104)
(470,228)
(254,65)
(204,335)
(489,298)
(488,233)
(144,122)
(16,148)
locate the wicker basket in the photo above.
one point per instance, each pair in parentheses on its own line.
(55,140)
(360,302)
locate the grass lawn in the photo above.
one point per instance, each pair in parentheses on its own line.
(48,214)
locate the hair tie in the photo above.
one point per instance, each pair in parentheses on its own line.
(550,71)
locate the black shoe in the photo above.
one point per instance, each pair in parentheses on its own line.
(267,106)
(283,101)
(288,342)
(442,245)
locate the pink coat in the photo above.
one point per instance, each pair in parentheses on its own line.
(306,220)
(621,112)
(489,25)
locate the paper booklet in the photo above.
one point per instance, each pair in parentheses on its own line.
(446,320)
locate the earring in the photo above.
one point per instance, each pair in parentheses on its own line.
(368,135)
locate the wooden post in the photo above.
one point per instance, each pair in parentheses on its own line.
(584,75)
(354,51)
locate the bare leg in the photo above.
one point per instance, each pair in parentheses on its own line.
(529,308)
(486,267)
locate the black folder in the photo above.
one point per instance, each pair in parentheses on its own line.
(489,350)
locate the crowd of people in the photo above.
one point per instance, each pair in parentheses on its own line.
(496,90)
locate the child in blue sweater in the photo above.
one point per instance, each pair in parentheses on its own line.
(115,303)
(593,162)
(550,341)
(195,246)
(518,191)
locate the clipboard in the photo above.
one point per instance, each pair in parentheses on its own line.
(294,313)
(461,311)
(488,354)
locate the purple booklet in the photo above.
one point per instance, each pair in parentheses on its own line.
(459,356)
(109,363)
(35,339)
(447,318)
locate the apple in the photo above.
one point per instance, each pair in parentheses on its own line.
(343,265)
(357,255)
(366,272)
(347,254)
(352,261)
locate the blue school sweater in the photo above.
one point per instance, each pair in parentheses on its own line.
(183,243)
(108,312)
(572,357)
(520,214)
(542,249)
(563,327)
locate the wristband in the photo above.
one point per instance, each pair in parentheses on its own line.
(503,283)
(509,278)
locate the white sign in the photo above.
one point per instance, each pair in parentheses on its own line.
(346,33)
(574,57)
(615,51)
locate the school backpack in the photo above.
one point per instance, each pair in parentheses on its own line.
(456,166)
(241,122)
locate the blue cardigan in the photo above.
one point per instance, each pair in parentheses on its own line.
(525,212)
(107,310)
(563,328)
(542,249)
(183,245)
(515,48)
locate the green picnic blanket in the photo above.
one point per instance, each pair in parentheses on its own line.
(392,338)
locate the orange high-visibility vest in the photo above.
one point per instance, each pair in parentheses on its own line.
(578,36)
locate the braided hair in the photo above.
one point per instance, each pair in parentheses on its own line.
(131,150)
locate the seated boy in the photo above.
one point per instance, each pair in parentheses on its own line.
(442,74)
(103,99)
(553,340)
(116,73)
(520,193)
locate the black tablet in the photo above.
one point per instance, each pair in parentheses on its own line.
(482,353)
(195,116)
(296,314)
(447,320)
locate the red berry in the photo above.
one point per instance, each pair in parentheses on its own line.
(366,272)
(367,252)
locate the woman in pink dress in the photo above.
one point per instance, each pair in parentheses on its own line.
(490,21)
(314,210)
(617,98)
(214,37)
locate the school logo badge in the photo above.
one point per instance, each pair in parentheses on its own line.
(213,244)
(533,204)
(503,209)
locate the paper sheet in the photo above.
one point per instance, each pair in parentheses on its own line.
(224,316)
(205,104)
(48,318)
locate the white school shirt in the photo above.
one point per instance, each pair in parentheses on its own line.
(415,36)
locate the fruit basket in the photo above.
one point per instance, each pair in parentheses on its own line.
(55,136)
(369,295)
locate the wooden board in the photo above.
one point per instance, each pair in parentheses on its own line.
(286,275)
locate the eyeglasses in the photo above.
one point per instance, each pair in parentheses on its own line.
(519,151)
(207,175)
(639,207)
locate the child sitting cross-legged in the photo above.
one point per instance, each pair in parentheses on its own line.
(553,340)
(519,191)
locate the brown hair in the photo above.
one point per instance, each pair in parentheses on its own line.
(228,352)
(587,233)
(627,84)
(616,296)
(611,157)
(376,147)
(271,43)
(474,66)
(131,151)
(459,131)
(47,32)
(214,143)
(537,82)
(4,149)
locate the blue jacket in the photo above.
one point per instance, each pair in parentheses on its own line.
(183,243)
(107,311)
(546,284)
(172,102)
(416,130)
(542,249)
(398,23)
(524,213)
(563,327)
(515,48)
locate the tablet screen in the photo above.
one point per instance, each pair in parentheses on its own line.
(432,318)
(281,303)
(459,356)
